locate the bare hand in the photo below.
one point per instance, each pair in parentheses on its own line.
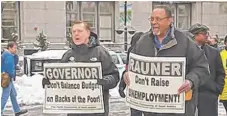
(126,78)
(186,86)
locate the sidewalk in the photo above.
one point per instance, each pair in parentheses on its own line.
(117,108)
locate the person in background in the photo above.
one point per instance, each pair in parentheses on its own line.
(170,42)
(85,47)
(2,51)
(209,92)
(213,42)
(122,84)
(8,66)
(223,96)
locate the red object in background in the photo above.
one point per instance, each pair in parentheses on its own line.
(36,28)
(89,4)
(126,67)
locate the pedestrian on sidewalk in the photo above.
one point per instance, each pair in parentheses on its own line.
(223,96)
(8,68)
(86,47)
(166,41)
(209,92)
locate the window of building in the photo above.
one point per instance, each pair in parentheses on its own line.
(71,14)
(183,16)
(223,8)
(106,20)
(90,12)
(10,18)
(181,13)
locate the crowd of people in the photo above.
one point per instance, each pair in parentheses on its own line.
(206,66)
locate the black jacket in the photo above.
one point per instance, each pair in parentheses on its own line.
(84,53)
(122,84)
(215,84)
(178,45)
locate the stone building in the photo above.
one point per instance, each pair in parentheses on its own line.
(55,18)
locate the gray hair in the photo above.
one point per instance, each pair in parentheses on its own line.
(166,8)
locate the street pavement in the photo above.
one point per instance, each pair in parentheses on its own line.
(118,107)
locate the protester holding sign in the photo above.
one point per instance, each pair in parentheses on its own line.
(173,46)
(85,50)
(209,92)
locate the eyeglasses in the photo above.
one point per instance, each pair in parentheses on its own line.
(158,19)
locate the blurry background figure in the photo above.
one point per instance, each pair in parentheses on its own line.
(209,92)
(212,41)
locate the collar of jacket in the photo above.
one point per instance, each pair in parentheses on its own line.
(7,51)
(204,46)
(81,49)
(171,39)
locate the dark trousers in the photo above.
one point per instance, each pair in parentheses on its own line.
(135,112)
(86,115)
(207,104)
(225,104)
(162,114)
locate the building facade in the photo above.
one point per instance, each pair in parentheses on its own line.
(55,18)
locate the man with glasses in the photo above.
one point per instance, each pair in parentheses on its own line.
(164,40)
(209,92)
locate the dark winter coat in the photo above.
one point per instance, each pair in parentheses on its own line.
(122,84)
(217,73)
(84,53)
(178,45)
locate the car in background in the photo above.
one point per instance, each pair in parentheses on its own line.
(117,58)
(19,66)
(33,64)
(123,56)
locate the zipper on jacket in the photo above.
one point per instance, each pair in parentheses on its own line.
(156,52)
